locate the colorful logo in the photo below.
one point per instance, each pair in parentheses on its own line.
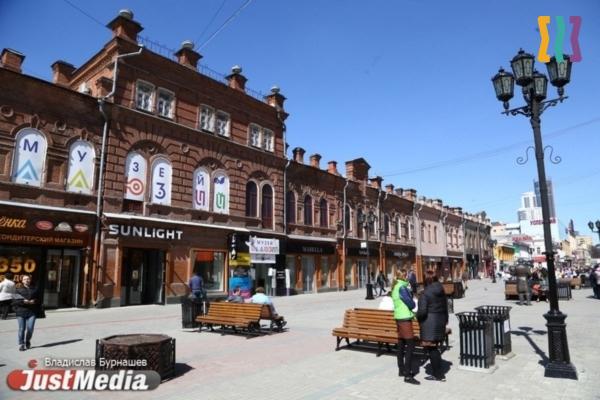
(543,22)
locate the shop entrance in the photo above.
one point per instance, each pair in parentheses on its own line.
(62,278)
(308,274)
(142,277)
(362,273)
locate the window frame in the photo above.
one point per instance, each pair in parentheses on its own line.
(141,82)
(211,119)
(160,91)
(290,206)
(255,213)
(310,210)
(267,222)
(227,124)
(323,216)
(259,140)
(270,146)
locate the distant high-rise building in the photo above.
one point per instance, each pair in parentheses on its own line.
(536,186)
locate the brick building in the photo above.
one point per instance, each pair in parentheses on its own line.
(122,177)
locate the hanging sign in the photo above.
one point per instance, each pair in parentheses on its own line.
(135,173)
(263,246)
(161,182)
(262,258)
(221,187)
(30,156)
(81,167)
(201,189)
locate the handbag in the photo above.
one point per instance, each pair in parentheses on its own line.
(40,312)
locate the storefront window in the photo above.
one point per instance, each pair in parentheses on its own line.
(348,273)
(211,265)
(324,272)
(290,265)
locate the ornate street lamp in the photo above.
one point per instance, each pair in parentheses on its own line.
(591,225)
(367,220)
(534,86)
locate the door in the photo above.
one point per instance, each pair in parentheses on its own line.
(362,273)
(308,274)
(142,277)
(61,278)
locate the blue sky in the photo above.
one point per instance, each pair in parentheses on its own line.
(404,84)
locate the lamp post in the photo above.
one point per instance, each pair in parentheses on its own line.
(367,220)
(591,225)
(492,243)
(534,87)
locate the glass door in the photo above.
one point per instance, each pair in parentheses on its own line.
(308,274)
(61,278)
(362,273)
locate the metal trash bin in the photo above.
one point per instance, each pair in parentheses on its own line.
(190,309)
(500,316)
(564,289)
(476,340)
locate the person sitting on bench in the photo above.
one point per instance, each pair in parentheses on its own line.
(261,298)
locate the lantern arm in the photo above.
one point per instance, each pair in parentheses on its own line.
(551,103)
(526,110)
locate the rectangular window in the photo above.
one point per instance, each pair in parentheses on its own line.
(164,104)
(254,135)
(268,140)
(404,230)
(207,118)
(222,124)
(211,266)
(144,96)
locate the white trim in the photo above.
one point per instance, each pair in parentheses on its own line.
(177,222)
(311,238)
(42,207)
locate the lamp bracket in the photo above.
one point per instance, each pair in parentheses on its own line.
(526,110)
(523,160)
(553,159)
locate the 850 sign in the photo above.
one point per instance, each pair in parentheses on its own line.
(17,265)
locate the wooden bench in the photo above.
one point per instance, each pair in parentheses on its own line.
(243,316)
(277,322)
(371,325)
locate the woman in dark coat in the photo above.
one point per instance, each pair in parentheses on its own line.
(26,306)
(432,314)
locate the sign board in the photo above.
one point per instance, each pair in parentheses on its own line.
(201,189)
(30,156)
(135,177)
(161,182)
(221,188)
(241,260)
(81,167)
(263,246)
(262,258)
(144,232)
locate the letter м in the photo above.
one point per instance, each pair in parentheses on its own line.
(30,147)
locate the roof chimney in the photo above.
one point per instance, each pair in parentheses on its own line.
(332,167)
(275,99)
(399,192)
(438,203)
(62,72)
(187,56)
(314,160)
(12,59)
(376,182)
(410,194)
(357,170)
(236,80)
(298,153)
(389,188)
(125,27)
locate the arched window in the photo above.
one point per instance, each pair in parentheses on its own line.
(221,193)
(251,199)
(308,210)
(422,232)
(135,176)
(435,234)
(347,216)
(386,226)
(323,216)
(30,156)
(359,223)
(428,233)
(81,167)
(162,175)
(201,195)
(290,213)
(267,207)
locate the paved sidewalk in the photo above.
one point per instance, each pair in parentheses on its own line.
(302,362)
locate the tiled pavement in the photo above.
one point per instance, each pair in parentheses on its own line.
(302,364)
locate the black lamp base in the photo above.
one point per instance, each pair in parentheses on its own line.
(369,292)
(561,370)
